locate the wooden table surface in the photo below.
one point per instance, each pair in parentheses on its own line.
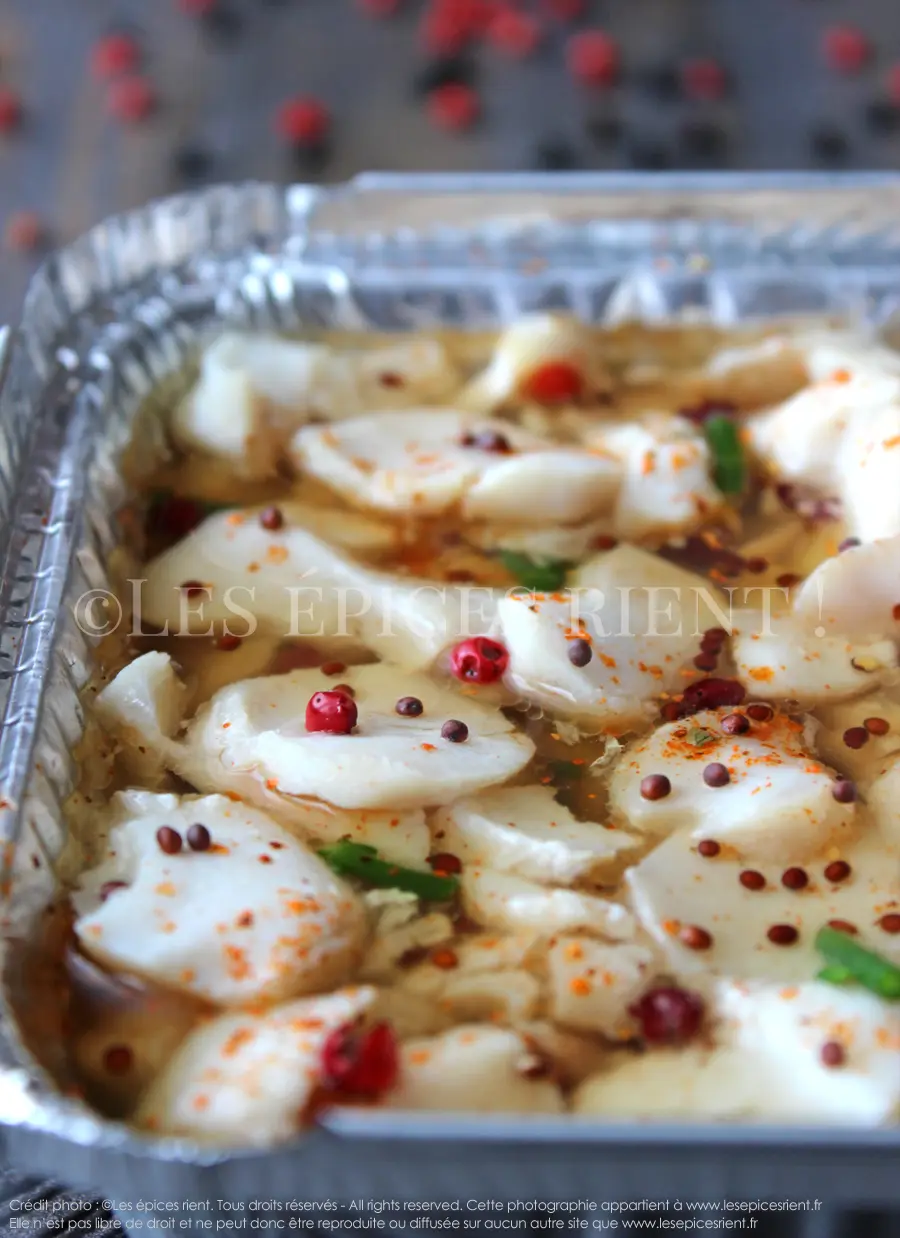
(220,82)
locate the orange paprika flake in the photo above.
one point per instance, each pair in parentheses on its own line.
(555,382)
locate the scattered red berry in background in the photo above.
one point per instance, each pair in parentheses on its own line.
(475,15)
(703,80)
(361,1063)
(333,713)
(113,55)
(378,8)
(454,106)
(564,10)
(303,121)
(131,99)
(593,58)
(23,232)
(514,32)
(845,48)
(442,33)
(479,660)
(10,111)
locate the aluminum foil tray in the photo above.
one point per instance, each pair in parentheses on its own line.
(123,308)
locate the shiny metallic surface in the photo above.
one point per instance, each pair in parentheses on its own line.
(126,307)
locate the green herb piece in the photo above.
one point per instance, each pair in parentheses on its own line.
(539,575)
(729,466)
(865,966)
(835,974)
(350,859)
(698,736)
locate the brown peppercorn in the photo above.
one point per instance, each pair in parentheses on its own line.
(706,661)
(695,937)
(580,652)
(169,840)
(198,838)
(412,956)
(760,712)
(735,724)
(787,580)
(895,612)
(843,926)
(794,878)
(832,1054)
(890,923)
(118,1060)
(345,688)
(228,642)
(488,440)
(716,775)
(716,636)
(655,787)
(192,587)
(409,707)
(843,790)
(271,518)
(782,934)
(454,731)
(750,879)
(756,564)
(603,541)
(333,668)
(708,847)
(856,736)
(877,726)
(837,870)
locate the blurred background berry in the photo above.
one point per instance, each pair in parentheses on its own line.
(107,103)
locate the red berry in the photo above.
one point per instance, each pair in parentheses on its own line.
(23,232)
(711,694)
(364,1064)
(668,1015)
(454,106)
(845,48)
(303,121)
(593,58)
(475,16)
(517,34)
(378,8)
(555,382)
(703,80)
(479,660)
(114,54)
(443,32)
(10,110)
(333,712)
(131,99)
